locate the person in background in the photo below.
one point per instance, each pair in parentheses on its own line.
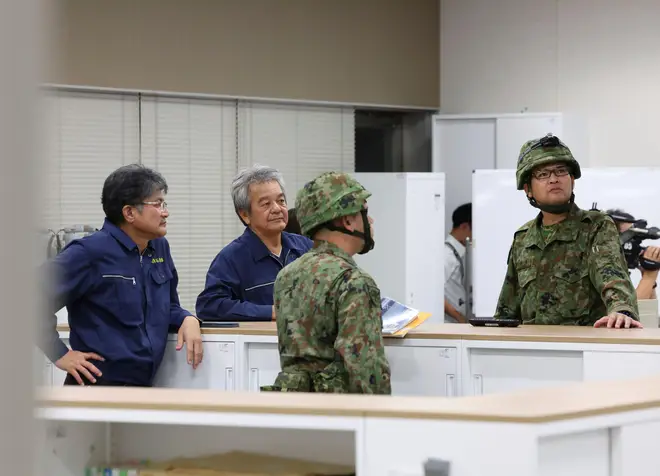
(119,286)
(329,323)
(566,266)
(292,226)
(646,289)
(239,282)
(455,292)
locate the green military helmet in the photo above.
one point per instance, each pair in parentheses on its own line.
(546,150)
(329,196)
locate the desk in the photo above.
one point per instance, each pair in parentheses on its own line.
(590,429)
(435,360)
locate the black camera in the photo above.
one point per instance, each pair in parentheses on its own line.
(631,241)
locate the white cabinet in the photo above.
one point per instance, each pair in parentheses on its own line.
(614,364)
(506,369)
(442,367)
(419,370)
(57,376)
(216,371)
(407,261)
(262,364)
(43,373)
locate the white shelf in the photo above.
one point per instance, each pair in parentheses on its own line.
(596,426)
(199,418)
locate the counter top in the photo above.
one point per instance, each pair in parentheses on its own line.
(467,332)
(581,334)
(528,406)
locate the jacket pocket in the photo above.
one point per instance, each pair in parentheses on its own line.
(526,276)
(572,291)
(121,292)
(119,288)
(261,293)
(160,293)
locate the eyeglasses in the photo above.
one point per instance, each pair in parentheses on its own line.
(158,204)
(547,141)
(544,174)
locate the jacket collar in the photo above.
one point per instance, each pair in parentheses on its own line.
(331,248)
(260,251)
(460,247)
(566,230)
(119,235)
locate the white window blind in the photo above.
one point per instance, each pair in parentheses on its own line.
(198,145)
(300,141)
(193,144)
(88,136)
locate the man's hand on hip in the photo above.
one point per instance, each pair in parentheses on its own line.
(76,363)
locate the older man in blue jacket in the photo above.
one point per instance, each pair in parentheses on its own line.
(239,282)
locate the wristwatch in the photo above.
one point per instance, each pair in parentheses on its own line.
(626,313)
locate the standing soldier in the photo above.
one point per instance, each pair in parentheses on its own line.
(566,266)
(328,310)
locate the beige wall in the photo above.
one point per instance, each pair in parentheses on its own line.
(594,60)
(355,51)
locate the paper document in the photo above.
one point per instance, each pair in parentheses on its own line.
(395,315)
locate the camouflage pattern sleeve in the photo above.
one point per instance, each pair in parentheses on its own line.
(608,270)
(359,334)
(508,304)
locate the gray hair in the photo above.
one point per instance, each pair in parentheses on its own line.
(240,186)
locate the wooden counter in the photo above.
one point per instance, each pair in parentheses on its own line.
(571,334)
(434,360)
(529,406)
(591,429)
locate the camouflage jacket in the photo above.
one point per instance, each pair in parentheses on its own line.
(329,326)
(571,273)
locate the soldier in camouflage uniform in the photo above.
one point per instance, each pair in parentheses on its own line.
(565,267)
(329,322)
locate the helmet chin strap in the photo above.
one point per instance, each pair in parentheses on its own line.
(366,236)
(554,209)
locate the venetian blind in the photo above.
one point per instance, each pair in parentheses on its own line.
(300,141)
(88,136)
(193,144)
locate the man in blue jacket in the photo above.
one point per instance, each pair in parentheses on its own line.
(119,286)
(239,283)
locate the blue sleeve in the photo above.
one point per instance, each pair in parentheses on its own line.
(220,299)
(177,313)
(64,279)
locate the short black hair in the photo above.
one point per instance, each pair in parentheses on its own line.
(620,216)
(292,225)
(129,185)
(462,214)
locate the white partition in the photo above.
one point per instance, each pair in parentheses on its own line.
(499,210)
(407,261)
(463,143)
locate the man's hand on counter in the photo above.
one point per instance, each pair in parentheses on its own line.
(274,315)
(617,320)
(75,363)
(190,334)
(453,312)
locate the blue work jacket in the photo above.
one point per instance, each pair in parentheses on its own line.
(120,303)
(239,282)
